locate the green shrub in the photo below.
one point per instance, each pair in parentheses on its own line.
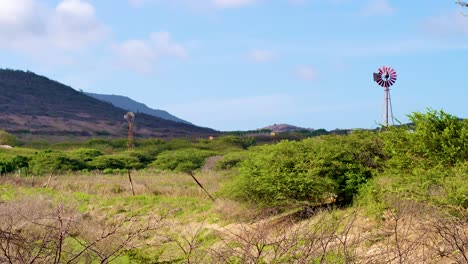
(85,154)
(54,161)
(10,163)
(115,161)
(311,171)
(436,138)
(242,142)
(183,160)
(145,157)
(428,163)
(7,138)
(231,160)
(445,187)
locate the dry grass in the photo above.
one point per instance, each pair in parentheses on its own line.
(198,230)
(145,183)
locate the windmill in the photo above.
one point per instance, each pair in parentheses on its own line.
(386,77)
(130,117)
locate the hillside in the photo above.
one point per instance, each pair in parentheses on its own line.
(281,128)
(33,105)
(134,106)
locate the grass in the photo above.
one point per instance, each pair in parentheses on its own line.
(197,230)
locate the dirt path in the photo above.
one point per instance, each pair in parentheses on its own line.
(210,163)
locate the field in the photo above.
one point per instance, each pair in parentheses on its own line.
(387,197)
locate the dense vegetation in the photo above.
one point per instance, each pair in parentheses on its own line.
(426,161)
(427,156)
(399,177)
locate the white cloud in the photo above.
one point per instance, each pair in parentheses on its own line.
(447,24)
(261,55)
(306,72)
(378,8)
(32,27)
(141,55)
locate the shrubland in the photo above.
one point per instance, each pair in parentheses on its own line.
(399,195)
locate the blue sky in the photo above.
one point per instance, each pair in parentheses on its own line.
(246,64)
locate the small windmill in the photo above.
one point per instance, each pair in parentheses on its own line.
(130,117)
(386,77)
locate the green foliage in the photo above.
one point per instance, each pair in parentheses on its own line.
(9,163)
(115,161)
(7,139)
(183,160)
(313,171)
(231,160)
(445,187)
(53,162)
(428,163)
(243,142)
(437,138)
(86,154)
(144,157)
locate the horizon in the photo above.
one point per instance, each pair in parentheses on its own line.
(247,64)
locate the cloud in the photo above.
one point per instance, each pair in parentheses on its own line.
(306,72)
(261,55)
(452,23)
(141,55)
(378,8)
(31,27)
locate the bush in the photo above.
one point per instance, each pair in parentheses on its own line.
(437,138)
(439,186)
(428,163)
(115,161)
(54,161)
(242,142)
(144,157)
(7,139)
(86,154)
(183,160)
(231,160)
(312,171)
(10,163)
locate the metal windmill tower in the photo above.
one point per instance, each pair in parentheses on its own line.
(386,77)
(130,117)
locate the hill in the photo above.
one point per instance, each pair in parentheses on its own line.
(282,128)
(35,106)
(134,106)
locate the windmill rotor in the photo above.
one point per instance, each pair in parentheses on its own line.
(386,76)
(130,116)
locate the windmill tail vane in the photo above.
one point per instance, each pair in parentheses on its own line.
(376,77)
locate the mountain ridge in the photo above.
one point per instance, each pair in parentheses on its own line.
(35,105)
(131,105)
